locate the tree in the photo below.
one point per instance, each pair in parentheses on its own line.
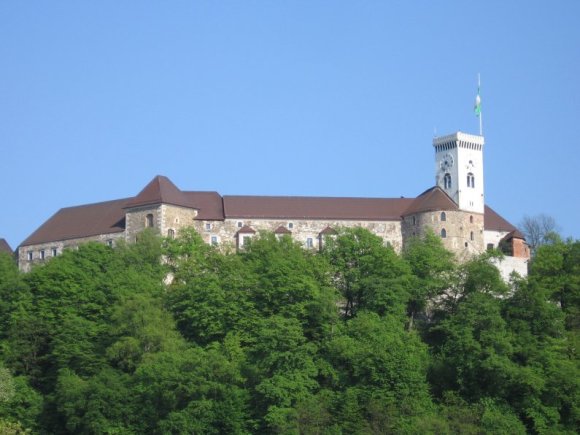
(380,374)
(432,266)
(368,274)
(538,229)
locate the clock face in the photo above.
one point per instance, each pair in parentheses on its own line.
(447,162)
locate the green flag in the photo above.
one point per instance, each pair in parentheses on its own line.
(477,108)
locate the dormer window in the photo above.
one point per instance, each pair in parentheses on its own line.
(447,181)
(149,221)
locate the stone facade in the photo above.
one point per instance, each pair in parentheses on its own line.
(307,232)
(461,232)
(28,256)
(455,211)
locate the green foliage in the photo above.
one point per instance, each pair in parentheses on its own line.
(432,267)
(368,274)
(175,336)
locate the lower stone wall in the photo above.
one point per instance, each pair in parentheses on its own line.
(52,248)
(225,232)
(507,265)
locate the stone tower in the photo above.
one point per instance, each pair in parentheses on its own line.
(459,169)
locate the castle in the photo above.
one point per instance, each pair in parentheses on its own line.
(454,209)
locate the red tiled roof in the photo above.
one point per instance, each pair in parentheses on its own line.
(300,207)
(494,222)
(160,190)
(109,217)
(515,234)
(246,230)
(328,231)
(81,221)
(432,199)
(5,247)
(209,205)
(282,230)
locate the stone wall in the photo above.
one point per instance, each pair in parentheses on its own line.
(174,218)
(225,232)
(52,248)
(136,220)
(507,265)
(463,230)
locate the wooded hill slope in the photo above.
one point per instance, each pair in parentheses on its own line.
(278,339)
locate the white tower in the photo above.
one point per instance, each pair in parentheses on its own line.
(459,169)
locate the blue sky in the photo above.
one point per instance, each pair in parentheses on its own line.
(322,98)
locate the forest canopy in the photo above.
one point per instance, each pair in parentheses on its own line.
(173,336)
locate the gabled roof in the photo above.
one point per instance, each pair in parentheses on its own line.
(494,222)
(81,221)
(160,190)
(515,234)
(300,207)
(246,230)
(5,247)
(431,200)
(328,231)
(282,230)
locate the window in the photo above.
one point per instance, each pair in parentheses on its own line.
(443,216)
(490,246)
(447,181)
(171,233)
(470,180)
(30,255)
(414,220)
(443,233)
(208,226)
(246,240)
(290,225)
(471,236)
(42,254)
(54,252)
(309,243)
(214,240)
(470,219)
(149,221)
(240,224)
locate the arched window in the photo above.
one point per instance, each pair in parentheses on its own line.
(470,180)
(447,181)
(443,233)
(149,221)
(443,216)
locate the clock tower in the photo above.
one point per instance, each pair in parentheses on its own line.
(459,169)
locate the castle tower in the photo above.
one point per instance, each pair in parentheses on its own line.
(459,169)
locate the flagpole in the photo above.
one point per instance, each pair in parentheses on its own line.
(480,114)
